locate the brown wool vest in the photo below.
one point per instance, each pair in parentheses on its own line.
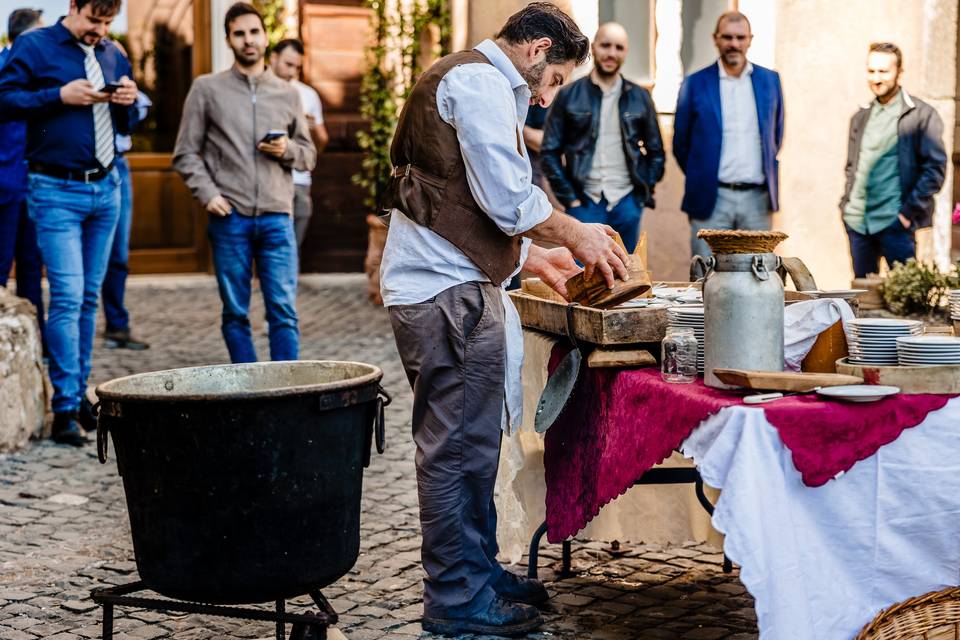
(429,181)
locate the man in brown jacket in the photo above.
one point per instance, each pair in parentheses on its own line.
(243,131)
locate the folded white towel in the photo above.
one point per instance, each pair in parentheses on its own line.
(804,321)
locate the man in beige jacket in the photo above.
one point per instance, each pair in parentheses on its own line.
(242,133)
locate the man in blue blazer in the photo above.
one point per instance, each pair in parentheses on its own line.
(727,134)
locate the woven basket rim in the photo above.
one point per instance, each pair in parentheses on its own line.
(727,241)
(904,616)
(741,233)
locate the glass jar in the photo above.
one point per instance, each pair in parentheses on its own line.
(678,356)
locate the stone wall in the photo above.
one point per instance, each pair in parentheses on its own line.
(24,388)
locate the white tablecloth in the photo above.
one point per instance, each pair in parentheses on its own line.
(821,562)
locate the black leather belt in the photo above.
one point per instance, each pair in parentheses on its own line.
(741,186)
(80,175)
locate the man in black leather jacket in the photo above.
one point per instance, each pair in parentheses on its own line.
(602,151)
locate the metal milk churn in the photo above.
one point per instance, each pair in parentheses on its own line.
(743,314)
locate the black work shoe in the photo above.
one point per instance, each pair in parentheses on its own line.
(120,339)
(66,430)
(501,618)
(519,589)
(85,416)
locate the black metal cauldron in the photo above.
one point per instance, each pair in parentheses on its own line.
(243,481)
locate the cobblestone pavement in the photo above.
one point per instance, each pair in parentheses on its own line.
(64,528)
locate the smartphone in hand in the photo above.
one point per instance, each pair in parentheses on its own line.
(272,135)
(110,87)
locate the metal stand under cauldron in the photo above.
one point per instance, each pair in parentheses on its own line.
(316,623)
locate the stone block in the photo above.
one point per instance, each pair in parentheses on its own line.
(25,391)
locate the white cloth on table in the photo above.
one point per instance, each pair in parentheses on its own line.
(653,514)
(821,562)
(804,321)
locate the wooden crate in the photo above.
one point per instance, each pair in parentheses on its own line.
(597,326)
(935,379)
(600,326)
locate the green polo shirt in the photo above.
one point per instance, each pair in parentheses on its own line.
(875,197)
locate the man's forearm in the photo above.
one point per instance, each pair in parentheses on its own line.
(559,228)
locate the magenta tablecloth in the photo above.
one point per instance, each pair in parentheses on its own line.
(621,422)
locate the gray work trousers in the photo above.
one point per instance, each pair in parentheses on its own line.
(452,348)
(747,210)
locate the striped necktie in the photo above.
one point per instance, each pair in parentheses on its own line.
(102,122)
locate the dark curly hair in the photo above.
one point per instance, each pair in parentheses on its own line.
(240,9)
(545,20)
(101,8)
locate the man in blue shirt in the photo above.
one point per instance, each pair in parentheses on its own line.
(72,87)
(18,237)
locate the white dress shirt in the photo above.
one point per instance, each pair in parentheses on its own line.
(311,107)
(609,175)
(487,105)
(741,153)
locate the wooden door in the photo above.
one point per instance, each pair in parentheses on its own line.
(334,35)
(169,45)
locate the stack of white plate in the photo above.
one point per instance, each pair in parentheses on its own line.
(918,351)
(689,316)
(874,340)
(954,297)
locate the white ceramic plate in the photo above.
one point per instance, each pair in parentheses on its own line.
(884,322)
(843,294)
(930,341)
(858,392)
(929,348)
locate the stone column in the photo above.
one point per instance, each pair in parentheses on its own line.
(668,74)
(25,393)
(221,56)
(937,79)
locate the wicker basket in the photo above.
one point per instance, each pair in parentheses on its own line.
(722,241)
(933,616)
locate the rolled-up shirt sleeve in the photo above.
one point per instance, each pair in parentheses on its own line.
(478,102)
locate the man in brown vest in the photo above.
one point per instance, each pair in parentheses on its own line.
(463,213)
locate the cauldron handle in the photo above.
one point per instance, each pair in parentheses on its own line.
(103,442)
(383,400)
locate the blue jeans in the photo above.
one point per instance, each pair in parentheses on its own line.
(75,225)
(239,241)
(895,244)
(624,217)
(115,282)
(748,210)
(18,242)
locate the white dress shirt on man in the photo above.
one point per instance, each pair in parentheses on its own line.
(741,153)
(487,105)
(609,175)
(311,107)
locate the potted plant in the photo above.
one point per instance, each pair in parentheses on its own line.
(407,38)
